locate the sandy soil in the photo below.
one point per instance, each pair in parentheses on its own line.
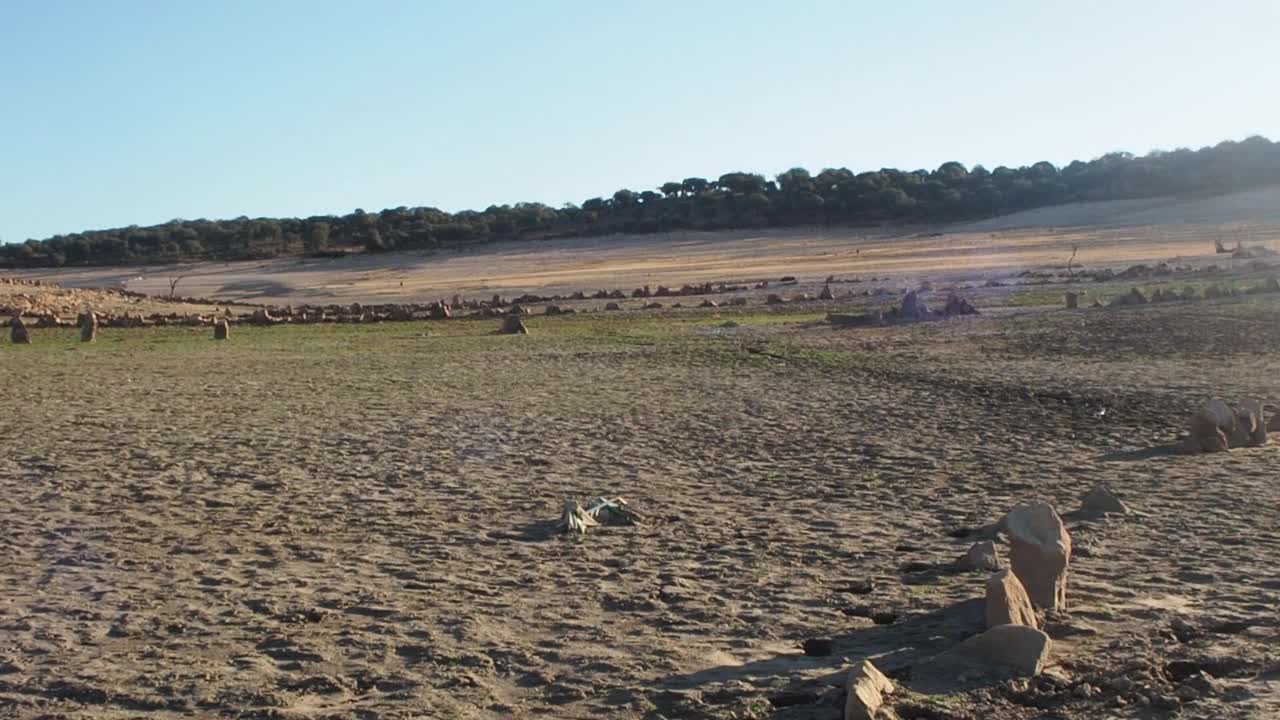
(1106,234)
(357,521)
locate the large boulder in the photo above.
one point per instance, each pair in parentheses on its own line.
(1021,648)
(1039,552)
(1007,601)
(867,688)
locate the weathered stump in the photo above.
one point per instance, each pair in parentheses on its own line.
(1073,301)
(88,326)
(221,329)
(513,325)
(18,332)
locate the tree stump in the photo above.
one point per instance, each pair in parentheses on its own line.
(88,326)
(221,330)
(18,332)
(826,293)
(1073,301)
(513,325)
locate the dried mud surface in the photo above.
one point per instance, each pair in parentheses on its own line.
(351,522)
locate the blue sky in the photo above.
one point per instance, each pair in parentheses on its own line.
(133,112)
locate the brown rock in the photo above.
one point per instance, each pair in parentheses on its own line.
(1039,551)
(1101,500)
(1020,647)
(867,687)
(1007,601)
(982,556)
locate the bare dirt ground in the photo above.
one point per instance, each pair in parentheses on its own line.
(358,521)
(1106,234)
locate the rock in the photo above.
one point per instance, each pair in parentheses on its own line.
(738,301)
(1020,647)
(262,316)
(982,556)
(867,688)
(653,306)
(221,329)
(1210,426)
(513,325)
(1007,602)
(1039,550)
(1073,300)
(612,306)
(553,310)
(1133,297)
(88,326)
(1101,500)
(826,293)
(774,299)
(18,331)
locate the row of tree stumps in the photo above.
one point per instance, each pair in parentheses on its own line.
(88,324)
(87,321)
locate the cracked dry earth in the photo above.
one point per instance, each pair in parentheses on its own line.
(354,522)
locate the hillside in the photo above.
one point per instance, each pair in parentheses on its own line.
(1103,234)
(835,197)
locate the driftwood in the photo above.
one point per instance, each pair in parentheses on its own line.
(603,511)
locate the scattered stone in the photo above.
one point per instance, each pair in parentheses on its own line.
(221,329)
(1020,647)
(1100,500)
(513,325)
(867,687)
(88,326)
(982,556)
(18,331)
(1007,601)
(1039,551)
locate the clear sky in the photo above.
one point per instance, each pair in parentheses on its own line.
(136,112)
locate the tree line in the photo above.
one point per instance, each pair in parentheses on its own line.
(734,200)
